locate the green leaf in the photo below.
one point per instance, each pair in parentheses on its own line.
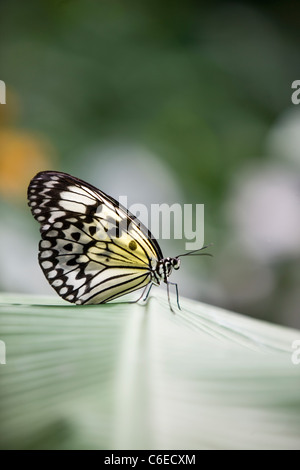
(132,376)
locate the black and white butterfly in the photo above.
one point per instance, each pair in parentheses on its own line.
(93,249)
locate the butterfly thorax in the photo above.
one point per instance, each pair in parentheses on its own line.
(163,269)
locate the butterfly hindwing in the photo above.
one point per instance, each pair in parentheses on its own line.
(92,249)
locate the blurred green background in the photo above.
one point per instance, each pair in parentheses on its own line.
(185,102)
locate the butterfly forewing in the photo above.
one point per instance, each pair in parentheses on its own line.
(92,249)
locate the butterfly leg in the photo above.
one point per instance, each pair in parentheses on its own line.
(147,295)
(168,291)
(142,295)
(177,295)
(138,299)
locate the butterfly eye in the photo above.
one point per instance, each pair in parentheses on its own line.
(132,245)
(176,263)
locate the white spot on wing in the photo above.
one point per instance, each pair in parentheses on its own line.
(70,297)
(45,244)
(80,198)
(52,233)
(46,254)
(47,264)
(51,184)
(55,215)
(52,274)
(73,206)
(58,225)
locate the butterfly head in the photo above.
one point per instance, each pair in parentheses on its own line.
(175,262)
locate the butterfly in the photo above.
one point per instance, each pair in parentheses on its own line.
(93,249)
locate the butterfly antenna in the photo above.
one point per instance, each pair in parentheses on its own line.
(191,253)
